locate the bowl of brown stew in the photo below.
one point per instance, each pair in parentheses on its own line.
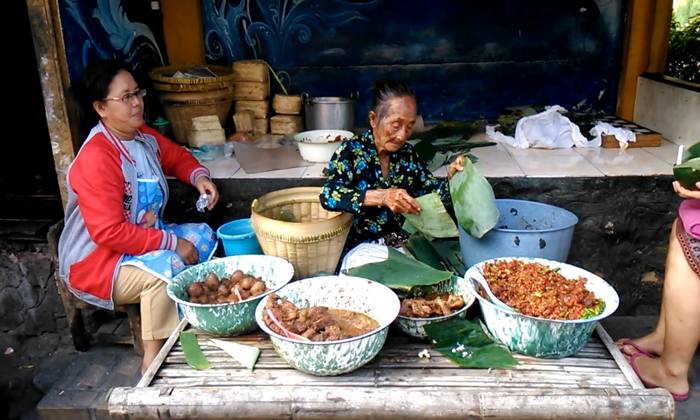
(328,325)
(551,307)
(428,304)
(220,296)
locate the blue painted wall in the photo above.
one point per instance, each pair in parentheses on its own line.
(465,59)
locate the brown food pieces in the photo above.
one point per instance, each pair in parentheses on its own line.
(237,287)
(434,304)
(536,290)
(317,323)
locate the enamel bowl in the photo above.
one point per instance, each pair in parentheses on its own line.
(539,337)
(319,145)
(328,358)
(228,319)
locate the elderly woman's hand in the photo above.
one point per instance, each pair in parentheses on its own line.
(686,193)
(206,186)
(399,200)
(456,166)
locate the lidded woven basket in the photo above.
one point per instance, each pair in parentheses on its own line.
(291,224)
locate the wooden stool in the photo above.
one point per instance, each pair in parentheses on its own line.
(74,306)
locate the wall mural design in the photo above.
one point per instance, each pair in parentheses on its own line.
(101,29)
(267,28)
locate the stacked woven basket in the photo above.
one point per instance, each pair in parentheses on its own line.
(183,98)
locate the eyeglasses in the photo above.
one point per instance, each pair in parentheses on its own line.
(128,97)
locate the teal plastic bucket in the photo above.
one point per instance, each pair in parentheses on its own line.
(524,229)
(238,238)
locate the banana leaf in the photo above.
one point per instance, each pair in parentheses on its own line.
(473,200)
(433,219)
(450,253)
(400,272)
(423,251)
(688,173)
(245,355)
(691,152)
(461,129)
(465,343)
(193,353)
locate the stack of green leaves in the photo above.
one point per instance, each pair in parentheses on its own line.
(474,201)
(465,343)
(400,272)
(443,143)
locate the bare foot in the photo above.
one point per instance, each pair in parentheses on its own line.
(653,374)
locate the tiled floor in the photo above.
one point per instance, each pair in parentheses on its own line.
(504,161)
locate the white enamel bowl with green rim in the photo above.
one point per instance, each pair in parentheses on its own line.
(228,319)
(414,326)
(539,337)
(326,358)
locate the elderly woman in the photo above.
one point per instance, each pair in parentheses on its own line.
(115,249)
(376,175)
(662,358)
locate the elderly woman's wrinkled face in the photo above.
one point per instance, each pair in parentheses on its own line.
(122,108)
(395,125)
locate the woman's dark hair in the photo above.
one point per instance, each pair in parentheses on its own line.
(93,86)
(383,91)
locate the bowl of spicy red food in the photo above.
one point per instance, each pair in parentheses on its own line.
(555,306)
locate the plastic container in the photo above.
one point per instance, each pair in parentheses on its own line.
(525,229)
(238,238)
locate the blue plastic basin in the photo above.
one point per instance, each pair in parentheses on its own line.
(525,229)
(238,238)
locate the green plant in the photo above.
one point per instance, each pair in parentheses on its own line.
(683,59)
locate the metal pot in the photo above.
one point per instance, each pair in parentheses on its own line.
(329,112)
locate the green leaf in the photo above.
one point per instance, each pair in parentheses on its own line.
(245,355)
(473,200)
(433,219)
(688,173)
(451,254)
(421,250)
(400,272)
(193,353)
(465,343)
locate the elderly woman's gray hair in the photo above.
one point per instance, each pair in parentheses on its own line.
(383,91)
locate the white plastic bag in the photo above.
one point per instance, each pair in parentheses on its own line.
(548,130)
(622,135)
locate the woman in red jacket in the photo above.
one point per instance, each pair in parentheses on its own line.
(115,249)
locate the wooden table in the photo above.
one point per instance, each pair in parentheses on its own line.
(595,383)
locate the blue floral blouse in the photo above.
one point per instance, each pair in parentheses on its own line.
(355,168)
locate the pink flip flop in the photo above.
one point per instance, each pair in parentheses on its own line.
(638,349)
(633,363)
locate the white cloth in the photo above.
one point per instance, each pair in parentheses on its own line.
(622,135)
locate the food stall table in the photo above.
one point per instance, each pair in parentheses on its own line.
(595,383)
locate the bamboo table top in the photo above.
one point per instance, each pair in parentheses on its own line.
(595,383)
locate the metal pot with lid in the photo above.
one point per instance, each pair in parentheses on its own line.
(329,112)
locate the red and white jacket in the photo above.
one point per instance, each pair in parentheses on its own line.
(100,220)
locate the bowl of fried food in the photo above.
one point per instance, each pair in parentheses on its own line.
(543,308)
(425,305)
(220,296)
(328,325)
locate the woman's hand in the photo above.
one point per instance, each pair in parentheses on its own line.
(399,200)
(686,193)
(456,166)
(187,251)
(206,186)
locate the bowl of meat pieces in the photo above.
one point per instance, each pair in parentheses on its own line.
(328,325)
(428,304)
(554,307)
(220,296)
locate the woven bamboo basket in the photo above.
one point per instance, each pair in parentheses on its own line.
(180,114)
(312,242)
(163,82)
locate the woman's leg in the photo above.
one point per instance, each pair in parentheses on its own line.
(158,313)
(681,320)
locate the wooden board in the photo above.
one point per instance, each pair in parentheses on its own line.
(645,137)
(594,383)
